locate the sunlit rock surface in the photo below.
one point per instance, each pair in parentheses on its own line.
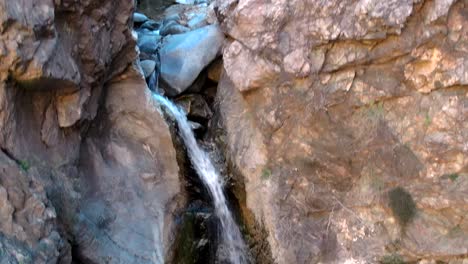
(330,105)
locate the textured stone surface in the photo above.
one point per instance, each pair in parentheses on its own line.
(330,105)
(132,174)
(56,60)
(184,56)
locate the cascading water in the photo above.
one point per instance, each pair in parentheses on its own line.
(231,235)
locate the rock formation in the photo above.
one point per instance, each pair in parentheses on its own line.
(87,161)
(341,129)
(329,106)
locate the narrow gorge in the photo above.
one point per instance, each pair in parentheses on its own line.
(234,131)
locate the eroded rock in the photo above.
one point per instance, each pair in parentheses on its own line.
(184,56)
(328,110)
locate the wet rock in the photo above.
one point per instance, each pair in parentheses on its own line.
(148,67)
(198,85)
(198,21)
(151,25)
(195,106)
(148,42)
(139,18)
(196,126)
(173,28)
(184,56)
(174,17)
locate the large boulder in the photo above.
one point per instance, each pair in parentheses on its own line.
(184,56)
(133,180)
(347,124)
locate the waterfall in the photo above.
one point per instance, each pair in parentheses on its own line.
(231,236)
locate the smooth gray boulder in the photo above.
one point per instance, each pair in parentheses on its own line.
(198,21)
(148,42)
(184,56)
(151,25)
(139,18)
(148,67)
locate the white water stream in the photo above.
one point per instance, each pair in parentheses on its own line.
(231,236)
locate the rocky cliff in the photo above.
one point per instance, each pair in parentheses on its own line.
(347,122)
(88,164)
(343,126)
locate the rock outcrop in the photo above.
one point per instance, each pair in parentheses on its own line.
(347,122)
(87,161)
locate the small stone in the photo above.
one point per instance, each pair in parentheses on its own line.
(215,69)
(148,67)
(195,106)
(195,126)
(151,25)
(148,43)
(139,18)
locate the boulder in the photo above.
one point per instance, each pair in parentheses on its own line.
(173,28)
(195,106)
(151,25)
(184,56)
(148,67)
(132,154)
(139,18)
(148,41)
(198,21)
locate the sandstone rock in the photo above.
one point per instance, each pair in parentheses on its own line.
(195,106)
(215,70)
(56,57)
(261,72)
(148,67)
(184,56)
(328,110)
(133,222)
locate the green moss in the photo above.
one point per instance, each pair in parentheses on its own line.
(453,176)
(427,120)
(402,205)
(266,174)
(24,165)
(392,259)
(376,110)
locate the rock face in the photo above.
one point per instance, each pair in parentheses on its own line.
(131,170)
(332,107)
(87,162)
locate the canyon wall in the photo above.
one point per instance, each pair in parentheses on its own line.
(347,122)
(88,164)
